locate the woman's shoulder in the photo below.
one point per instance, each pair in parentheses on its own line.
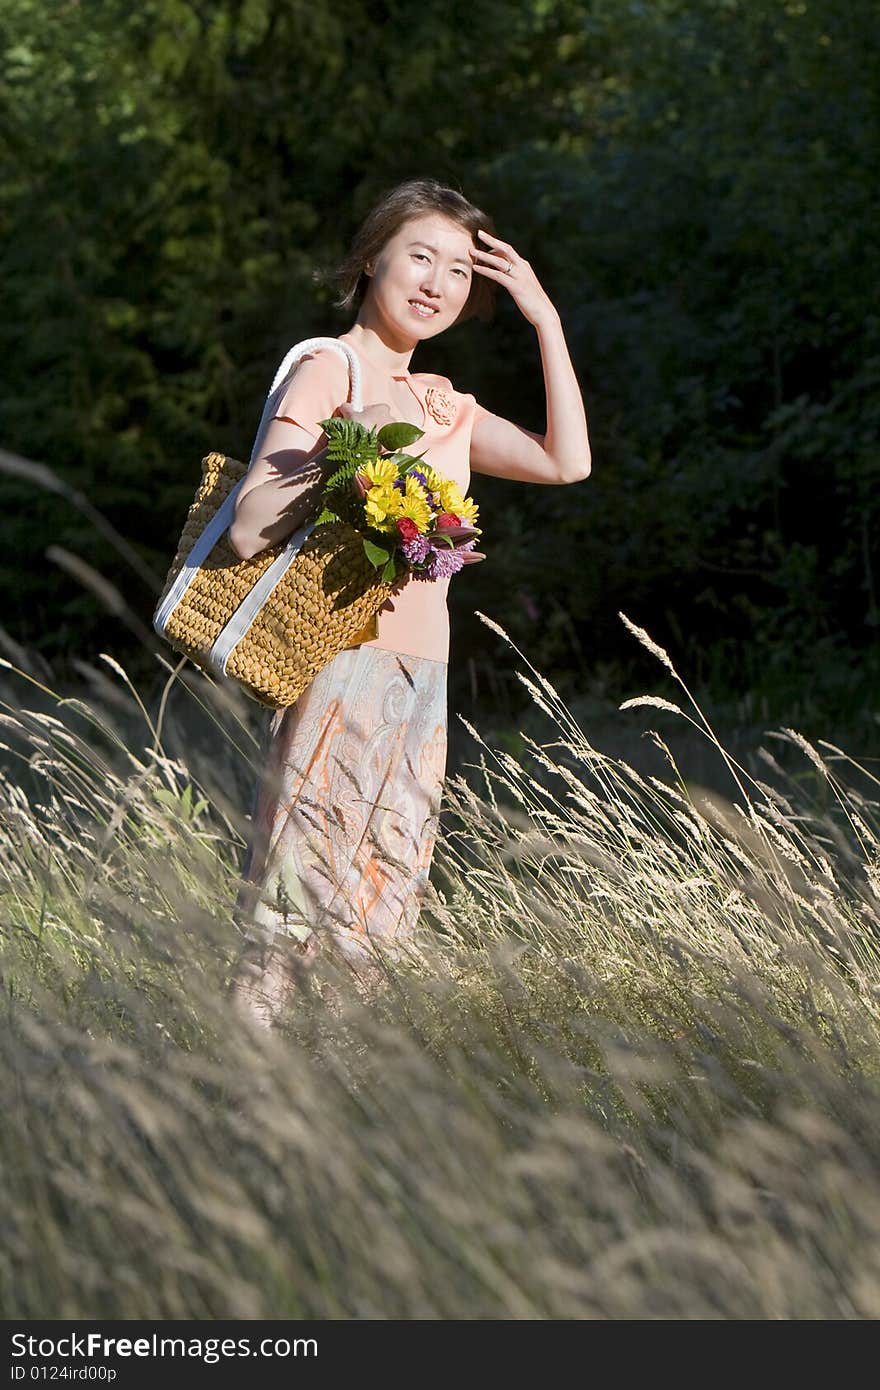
(313,389)
(322,369)
(443,400)
(325,360)
(440,386)
(433,379)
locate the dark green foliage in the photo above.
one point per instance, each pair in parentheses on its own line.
(694,182)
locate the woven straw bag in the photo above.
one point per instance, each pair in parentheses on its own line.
(272,622)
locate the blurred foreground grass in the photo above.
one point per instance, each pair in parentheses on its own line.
(630,1069)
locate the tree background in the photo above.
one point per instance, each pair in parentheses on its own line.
(695,182)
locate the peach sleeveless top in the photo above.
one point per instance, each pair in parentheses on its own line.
(415,621)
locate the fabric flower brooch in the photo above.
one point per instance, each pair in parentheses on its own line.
(440,405)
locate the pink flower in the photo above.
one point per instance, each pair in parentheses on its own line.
(446,519)
(457,533)
(468,555)
(440,405)
(444,563)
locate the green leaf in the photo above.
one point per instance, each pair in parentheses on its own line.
(375,554)
(407,462)
(398,434)
(389,573)
(350,432)
(325,516)
(350,445)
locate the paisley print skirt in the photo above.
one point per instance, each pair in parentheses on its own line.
(346,812)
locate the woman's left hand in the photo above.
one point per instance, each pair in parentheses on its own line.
(501,263)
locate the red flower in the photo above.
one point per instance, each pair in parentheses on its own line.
(446,519)
(407,528)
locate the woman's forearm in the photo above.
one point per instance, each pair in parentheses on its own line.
(566,439)
(271,511)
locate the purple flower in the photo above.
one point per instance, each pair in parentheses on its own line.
(400,483)
(414,551)
(443,562)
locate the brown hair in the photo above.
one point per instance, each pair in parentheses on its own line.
(413,199)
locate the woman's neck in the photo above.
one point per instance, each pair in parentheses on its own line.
(373,346)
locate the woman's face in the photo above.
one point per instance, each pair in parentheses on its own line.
(420,281)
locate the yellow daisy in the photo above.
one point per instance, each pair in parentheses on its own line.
(381,471)
(451,499)
(433,480)
(414,488)
(468,511)
(382,506)
(417,509)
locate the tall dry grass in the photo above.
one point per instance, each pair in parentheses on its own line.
(630,1068)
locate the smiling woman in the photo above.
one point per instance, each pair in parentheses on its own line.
(345,816)
(402,220)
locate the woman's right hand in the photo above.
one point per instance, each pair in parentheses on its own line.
(372,416)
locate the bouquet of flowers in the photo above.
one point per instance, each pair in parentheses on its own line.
(412,519)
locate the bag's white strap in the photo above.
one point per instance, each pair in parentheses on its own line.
(248,609)
(202,547)
(250,606)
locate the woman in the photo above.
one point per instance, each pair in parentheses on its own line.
(346,815)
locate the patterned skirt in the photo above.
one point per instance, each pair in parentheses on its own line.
(346,811)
